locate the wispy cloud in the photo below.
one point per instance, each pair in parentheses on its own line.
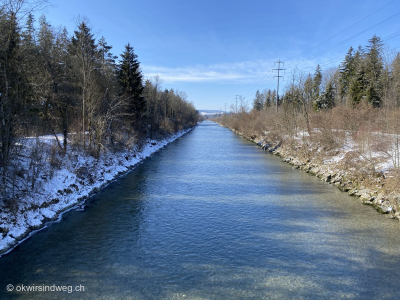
(242,72)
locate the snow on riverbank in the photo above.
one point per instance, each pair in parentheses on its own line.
(80,176)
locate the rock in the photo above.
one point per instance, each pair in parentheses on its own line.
(353,192)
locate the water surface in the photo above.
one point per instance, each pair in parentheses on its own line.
(212,216)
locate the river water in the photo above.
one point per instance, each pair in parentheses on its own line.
(212,216)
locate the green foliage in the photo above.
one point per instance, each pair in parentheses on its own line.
(326,100)
(361,74)
(130,80)
(317,83)
(269,98)
(258,102)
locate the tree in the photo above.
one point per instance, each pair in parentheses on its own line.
(11,88)
(326,100)
(374,70)
(258,102)
(269,99)
(395,82)
(130,80)
(84,50)
(317,82)
(347,71)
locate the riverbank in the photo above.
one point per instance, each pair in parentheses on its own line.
(80,177)
(344,166)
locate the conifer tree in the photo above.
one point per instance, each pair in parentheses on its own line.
(326,100)
(395,82)
(258,102)
(317,83)
(130,80)
(84,51)
(347,71)
(268,99)
(12,88)
(374,69)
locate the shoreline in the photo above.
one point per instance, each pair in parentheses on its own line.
(71,193)
(370,193)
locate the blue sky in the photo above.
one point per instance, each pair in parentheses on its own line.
(214,50)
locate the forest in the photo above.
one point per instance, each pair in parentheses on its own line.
(72,87)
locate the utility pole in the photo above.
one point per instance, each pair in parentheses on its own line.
(225,108)
(279,62)
(236,102)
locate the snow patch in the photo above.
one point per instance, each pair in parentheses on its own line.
(79,178)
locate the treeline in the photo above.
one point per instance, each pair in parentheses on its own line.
(55,83)
(368,76)
(357,101)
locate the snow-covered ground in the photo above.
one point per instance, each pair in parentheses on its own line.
(80,176)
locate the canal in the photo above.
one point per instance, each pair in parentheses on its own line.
(211,216)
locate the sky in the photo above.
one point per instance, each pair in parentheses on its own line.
(214,50)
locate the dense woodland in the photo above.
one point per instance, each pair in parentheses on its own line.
(73,87)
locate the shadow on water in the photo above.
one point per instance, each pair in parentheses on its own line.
(192,223)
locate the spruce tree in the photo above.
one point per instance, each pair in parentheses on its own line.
(12,89)
(374,70)
(327,99)
(395,82)
(347,71)
(317,83)
(258,101)
(131,85)
(84,51)
(268,99)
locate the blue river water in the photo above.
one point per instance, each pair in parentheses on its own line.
(212,216)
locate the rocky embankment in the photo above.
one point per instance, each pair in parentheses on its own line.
(370,189)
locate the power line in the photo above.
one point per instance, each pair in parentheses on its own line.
(344,41)
(344,30)
(264,82)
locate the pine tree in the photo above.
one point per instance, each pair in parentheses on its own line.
(326,100)
(374,70)
(12,89)
(317,83)
(258,102)
(357,87)
(308,89)
(268,99)
(29,34)
(84,51)
(347,71)
(130,80)
(395,82)
(107,59)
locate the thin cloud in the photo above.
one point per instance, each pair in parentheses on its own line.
(242,72)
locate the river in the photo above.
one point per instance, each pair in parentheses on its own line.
(212,216)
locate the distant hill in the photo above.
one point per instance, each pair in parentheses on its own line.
(208,112)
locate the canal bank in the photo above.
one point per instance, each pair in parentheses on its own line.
(68,189)
(358,181)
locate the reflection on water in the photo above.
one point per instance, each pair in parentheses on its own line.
(213,217)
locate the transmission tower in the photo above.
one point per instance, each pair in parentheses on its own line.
(279,62)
